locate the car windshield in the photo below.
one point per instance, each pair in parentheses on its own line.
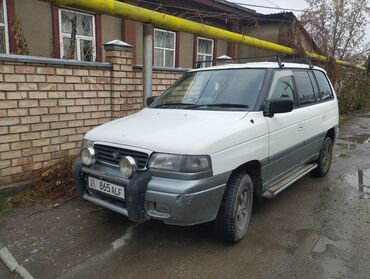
(230,89)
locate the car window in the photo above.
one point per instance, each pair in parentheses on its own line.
(314,85)
(189,89)
(305,91)
(324,87)
(239,87)
(282,86)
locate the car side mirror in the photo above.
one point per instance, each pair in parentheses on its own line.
(150,100)
(278,106)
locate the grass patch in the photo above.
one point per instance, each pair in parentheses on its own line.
(343,119)
(6,206)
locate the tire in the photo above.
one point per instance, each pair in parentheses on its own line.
(324,162)
(233,217)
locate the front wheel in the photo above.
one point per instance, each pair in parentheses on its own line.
(325,158)
(236,208)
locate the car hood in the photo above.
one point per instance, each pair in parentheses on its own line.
(168,130)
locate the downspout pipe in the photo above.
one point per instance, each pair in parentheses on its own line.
(148,60)
(132,12)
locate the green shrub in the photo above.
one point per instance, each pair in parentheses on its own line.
(354,92)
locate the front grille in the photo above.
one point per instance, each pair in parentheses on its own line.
(104,153)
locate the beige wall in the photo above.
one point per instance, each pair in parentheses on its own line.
(267,32)
(186,50)
(139,43)
(36,21)
(111,29)
(221,48)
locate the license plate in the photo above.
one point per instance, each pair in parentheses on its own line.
(107,188)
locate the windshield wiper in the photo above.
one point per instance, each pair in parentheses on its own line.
(173,104)
(221,105)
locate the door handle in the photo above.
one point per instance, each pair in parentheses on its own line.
(300,127)
(324,117)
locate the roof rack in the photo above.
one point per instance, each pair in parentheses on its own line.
(280,59)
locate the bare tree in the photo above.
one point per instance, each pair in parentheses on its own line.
(337,26)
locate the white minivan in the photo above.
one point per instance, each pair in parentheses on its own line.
(215,142)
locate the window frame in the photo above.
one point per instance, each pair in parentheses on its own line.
(165,48)
(78,37)
(6,28)
(297,88)
(205,54)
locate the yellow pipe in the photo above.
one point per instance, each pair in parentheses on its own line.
(120,9)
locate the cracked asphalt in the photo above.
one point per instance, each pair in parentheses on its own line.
(317,228)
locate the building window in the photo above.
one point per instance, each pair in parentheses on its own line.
(4,40)
(77,35)
(164,48)
(205,51)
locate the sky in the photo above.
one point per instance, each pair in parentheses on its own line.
(290,4)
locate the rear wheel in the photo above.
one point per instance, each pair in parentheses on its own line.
(236,208)
(325,158)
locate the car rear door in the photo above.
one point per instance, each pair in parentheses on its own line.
(308,99)
(286,130)
(316,100)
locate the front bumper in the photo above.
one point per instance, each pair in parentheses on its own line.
(190,201)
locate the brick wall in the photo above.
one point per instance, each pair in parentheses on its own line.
(46,105)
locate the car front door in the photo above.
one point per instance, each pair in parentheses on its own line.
(286,130)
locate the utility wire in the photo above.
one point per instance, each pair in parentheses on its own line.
(267,7)
(272,3)
(209,14)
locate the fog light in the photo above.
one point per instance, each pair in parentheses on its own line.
(88,156)
(162,207)
(127,166)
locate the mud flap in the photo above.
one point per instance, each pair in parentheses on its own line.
(135,197)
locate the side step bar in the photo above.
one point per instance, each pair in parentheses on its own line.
(284,182)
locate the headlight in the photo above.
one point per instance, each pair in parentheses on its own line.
(86,143)
(88,156)
(180,163)
(127,166)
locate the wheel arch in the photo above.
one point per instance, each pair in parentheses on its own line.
(254,169)
(331,134)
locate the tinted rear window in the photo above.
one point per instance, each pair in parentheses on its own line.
(305,90)
(324,87)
